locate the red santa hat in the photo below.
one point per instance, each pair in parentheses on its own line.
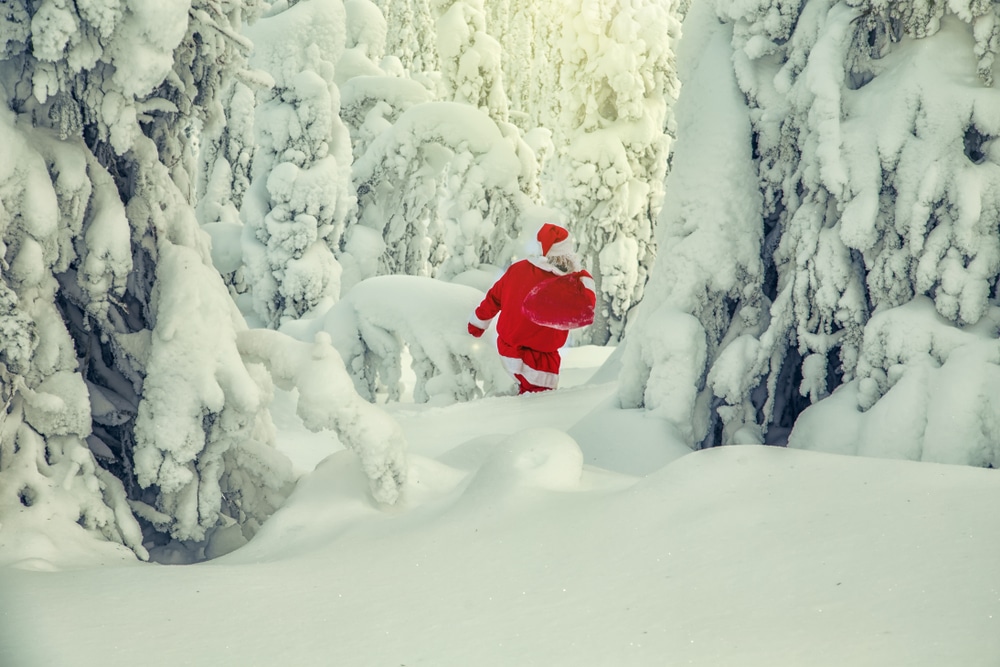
(554,239)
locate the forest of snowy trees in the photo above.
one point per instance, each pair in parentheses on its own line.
(794,243)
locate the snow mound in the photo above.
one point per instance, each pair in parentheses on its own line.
(543,458)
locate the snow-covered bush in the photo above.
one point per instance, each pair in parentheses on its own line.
(300,197)
(383,319)
(124,392)
(872,127)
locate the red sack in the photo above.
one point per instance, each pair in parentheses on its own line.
(562,302)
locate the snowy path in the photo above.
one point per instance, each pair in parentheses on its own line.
(515,550)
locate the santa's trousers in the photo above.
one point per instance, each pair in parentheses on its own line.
(533,370)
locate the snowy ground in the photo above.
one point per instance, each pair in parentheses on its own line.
(520,544)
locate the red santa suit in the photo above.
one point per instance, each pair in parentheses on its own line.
(529,351)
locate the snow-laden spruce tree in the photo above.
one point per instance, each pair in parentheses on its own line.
(872,127)
(611,85)
(411,37)
(300,196)
(438,192)
(227,147)
(471,67)
(705,287)
(124,393)
(470,57)
(373,87)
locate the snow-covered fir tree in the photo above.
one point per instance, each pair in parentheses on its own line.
(470,57)
(607,83)
(300,196)
(125,395)
(442,173)
(411,37)
(871,129)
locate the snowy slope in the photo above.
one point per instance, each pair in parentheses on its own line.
(511,548)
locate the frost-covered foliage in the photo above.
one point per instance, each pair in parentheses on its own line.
(470,57)
(614,82)
(370,105)
(124,393)
(438,193)
(599,76)
(927,392)
(327,401)
(228,145)
(373,90)
(411,37)
(300,196)
(385,319)
(873,127)
(364,45)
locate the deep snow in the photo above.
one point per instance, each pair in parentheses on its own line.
(554,529)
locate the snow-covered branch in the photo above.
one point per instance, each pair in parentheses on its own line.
(328,400)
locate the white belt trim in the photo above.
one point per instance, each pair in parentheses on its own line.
(516,366)
(482,324)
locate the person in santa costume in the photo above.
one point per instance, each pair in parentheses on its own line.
(539,299)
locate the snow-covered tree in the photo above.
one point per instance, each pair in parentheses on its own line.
(470,57)
(227,147)
(373,87)
(364,45)
(300,196)
(872,129)
(439,188)
(371,104)
(706,285)
(615,81)
(411,37)
(125,395)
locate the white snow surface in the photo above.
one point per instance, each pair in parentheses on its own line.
(551,529)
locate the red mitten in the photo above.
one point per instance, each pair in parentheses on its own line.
(475,331)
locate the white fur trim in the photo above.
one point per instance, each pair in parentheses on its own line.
(538,378)
(589,283)
(482,324)
(545,265)
(564,247)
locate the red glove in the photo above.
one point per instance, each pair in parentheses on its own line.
(476,331)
